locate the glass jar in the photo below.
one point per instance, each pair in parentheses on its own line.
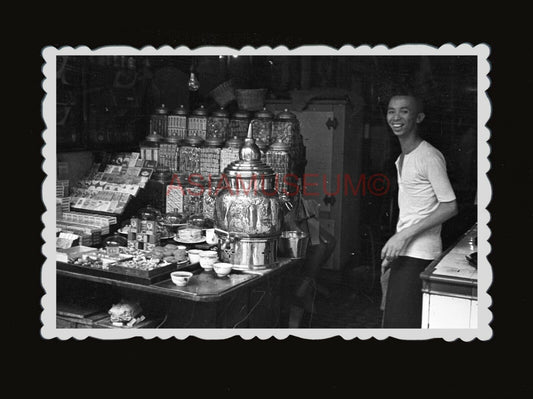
(263,148)
(149,148)
(159,121)
(210,157)
(177,123)
(262,127)
(189,155)
(279,159)
(218,124)
(197,123)
(169,153)
(210,196)
(194,195)
(230,153)
(286,128)
(156,188)
(175,193)
(113,243)
(238,124)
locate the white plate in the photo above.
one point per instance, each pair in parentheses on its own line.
(189,242)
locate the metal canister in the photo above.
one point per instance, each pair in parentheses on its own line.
(238,124)
(197,123)
(210,156)
(149,148)
(230,152)
(262,127)
(159,121)
(177,123)
(218,124)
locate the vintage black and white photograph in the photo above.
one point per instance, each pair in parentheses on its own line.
(258,192)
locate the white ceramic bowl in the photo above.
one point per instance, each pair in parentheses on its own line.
(180,278)
(194,255)
(207,259)
(222,269)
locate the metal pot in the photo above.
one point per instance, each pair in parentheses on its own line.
(293,244)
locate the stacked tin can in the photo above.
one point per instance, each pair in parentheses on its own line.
(149,148)
(210,155)
(177,123)
(230,152)
(238,124)
(197,123)
(169,153)
(218,124)
(159,121)
(262,128)
(189,155)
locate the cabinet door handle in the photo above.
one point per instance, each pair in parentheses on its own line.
(332,123)
(329,200)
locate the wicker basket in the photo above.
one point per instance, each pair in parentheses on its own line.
(251,99)
(224,93)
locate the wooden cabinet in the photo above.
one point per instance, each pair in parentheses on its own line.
(332,132)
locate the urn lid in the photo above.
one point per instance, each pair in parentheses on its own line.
(234,142)
(194,141)
(214,142)
(249,162)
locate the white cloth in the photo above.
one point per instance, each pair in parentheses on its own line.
(422,184)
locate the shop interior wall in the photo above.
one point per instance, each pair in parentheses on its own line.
(104,103)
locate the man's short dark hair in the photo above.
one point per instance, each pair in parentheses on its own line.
(408,92)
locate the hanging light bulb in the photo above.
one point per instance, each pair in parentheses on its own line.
(193,83)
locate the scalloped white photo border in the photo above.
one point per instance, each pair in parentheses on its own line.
(48,273)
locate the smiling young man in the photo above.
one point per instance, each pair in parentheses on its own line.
(425,201)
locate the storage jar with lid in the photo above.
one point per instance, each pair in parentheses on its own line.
(218,124)
(149,148)
(189,158)
(169,153)
(279,159)
(159,121)
(210,156)
(197,123)
(156,188)
(262,127)
(193,199)
(238,124)
(177,123)
(213,185)
(175,193)
(230,152)
(113,243)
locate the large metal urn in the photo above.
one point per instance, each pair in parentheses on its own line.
(249,211)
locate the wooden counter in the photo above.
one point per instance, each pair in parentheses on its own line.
(243,299)
(449,286)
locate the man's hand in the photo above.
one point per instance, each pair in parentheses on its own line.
(393,247)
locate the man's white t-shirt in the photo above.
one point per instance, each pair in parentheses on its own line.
(422,184)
